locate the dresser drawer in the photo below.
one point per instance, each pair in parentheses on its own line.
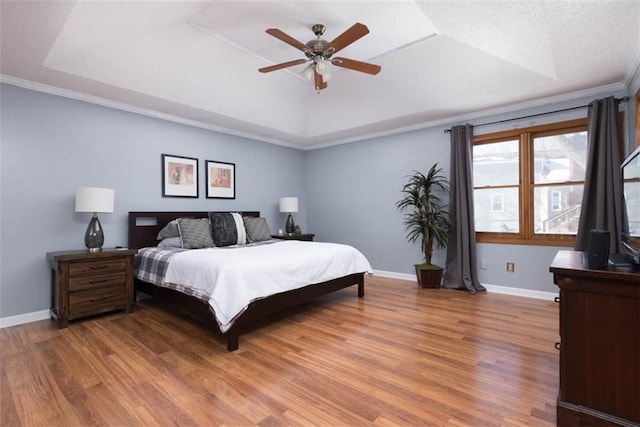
(97,267)
(94,281)
(97,301)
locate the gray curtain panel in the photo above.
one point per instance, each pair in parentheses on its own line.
(461,269)
(602,198)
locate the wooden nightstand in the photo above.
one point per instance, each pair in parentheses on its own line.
(306,237)
(85,283)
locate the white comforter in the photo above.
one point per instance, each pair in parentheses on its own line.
(234,277)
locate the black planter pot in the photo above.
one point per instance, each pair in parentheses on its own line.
(429,277)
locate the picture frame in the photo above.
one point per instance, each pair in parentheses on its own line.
(221,180)
(179,176)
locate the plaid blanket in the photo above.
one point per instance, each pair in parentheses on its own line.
(150,264)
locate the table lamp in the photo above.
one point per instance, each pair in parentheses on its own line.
(94,200)
(289,205)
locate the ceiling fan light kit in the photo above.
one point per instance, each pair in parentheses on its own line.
(320,52)
(307,72)
(321,66)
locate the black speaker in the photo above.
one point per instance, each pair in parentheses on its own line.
(598,252)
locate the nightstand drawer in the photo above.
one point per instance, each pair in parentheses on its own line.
(94,281)
(98,266)
(85,283)
(97,301)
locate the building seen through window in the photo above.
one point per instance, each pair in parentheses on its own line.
(528,183)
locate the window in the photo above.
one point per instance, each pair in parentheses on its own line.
(556,200)
(528,183)
(496,171)
(497,202)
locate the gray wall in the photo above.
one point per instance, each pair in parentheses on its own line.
(352,190)
(52,145)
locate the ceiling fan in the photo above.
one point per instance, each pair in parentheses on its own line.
(320,53)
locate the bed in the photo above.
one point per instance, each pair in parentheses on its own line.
(143,231)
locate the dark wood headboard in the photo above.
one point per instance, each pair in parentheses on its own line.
(145,226)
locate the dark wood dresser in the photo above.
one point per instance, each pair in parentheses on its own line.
(599,343)
(85,283)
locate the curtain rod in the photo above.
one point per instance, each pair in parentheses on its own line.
(626,98)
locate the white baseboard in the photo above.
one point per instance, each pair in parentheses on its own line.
(528,293)
(394,275)
(20,319)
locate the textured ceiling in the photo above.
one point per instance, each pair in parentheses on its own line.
(197,62)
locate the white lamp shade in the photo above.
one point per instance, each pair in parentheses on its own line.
(307,73)
(288,204)
(321,66)
(93,199)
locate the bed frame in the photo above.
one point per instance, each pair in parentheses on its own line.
(143,229)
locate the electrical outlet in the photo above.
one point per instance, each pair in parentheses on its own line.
(483,264)
(511,267)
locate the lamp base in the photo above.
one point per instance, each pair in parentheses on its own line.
(290,227)
(94,237)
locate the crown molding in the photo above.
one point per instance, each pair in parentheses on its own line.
(449,121)
(483,114)
(66,93)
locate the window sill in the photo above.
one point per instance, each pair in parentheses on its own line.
(504,239)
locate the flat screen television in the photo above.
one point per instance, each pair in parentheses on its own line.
(630,169)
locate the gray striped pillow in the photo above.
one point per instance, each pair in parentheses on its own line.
(227,229)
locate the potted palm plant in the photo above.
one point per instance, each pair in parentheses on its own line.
(426,219)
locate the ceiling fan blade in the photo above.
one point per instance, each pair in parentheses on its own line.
(363,67)
(281,66)
(287,39)
(352,34)
(318,81)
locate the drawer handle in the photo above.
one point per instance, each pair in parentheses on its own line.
(567,280)
(92,281)
(104,298)
(96,267)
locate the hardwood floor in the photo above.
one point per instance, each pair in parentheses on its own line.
(400,356)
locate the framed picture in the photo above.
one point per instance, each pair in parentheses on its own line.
(179,176)
(221,180)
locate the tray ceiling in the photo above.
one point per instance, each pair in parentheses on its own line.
(197,62)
